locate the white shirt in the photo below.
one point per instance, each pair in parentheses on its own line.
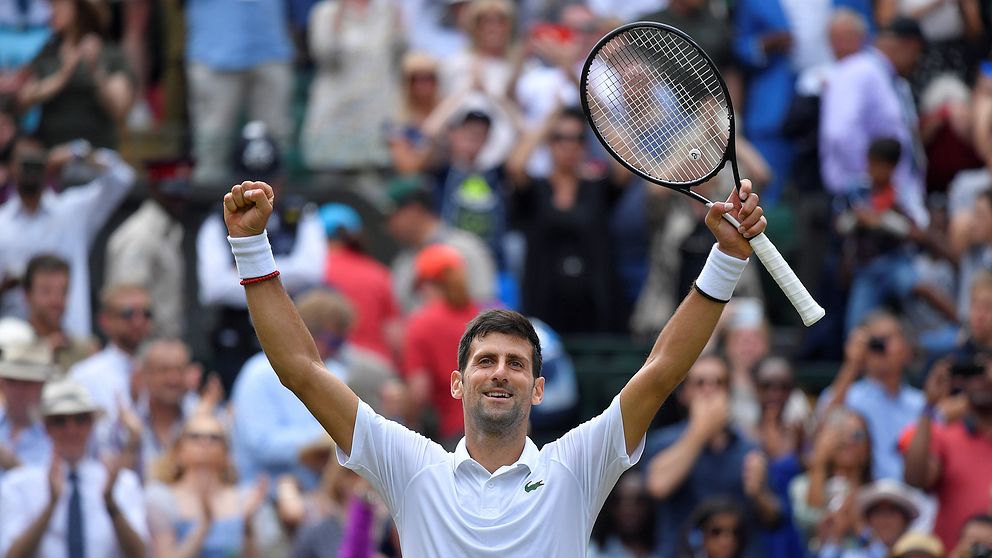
(447,504)
(808,23)
(107,376)
(218,275)
(940,24)
(24,494)
(65,224)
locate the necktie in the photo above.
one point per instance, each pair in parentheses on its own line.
(75,532)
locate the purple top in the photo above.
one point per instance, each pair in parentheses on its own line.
(865,100)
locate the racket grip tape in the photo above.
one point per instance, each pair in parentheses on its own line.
(772,259)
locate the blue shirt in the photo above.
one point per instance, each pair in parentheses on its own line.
(232,35)
(32,446)
(271,425)
(887,416)
(715,474)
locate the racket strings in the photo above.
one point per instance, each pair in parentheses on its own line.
(658,102)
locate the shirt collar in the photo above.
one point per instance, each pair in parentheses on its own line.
(44,205)
(528,458)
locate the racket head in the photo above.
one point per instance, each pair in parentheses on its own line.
(658,104)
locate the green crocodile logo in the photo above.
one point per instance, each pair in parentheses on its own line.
(532,486)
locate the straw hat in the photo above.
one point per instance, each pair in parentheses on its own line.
(888,491)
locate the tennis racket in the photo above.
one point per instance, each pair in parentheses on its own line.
(659,105)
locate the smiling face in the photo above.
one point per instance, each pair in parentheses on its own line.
(497,387)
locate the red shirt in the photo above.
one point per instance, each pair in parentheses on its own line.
(367,285)
(430,344)
(965,477)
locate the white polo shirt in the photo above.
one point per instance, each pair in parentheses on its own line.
(447,504)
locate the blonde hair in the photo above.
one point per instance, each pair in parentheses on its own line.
(479,7)
(167,468)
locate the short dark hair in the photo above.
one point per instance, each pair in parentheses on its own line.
(43,263)
(476,116)
(982,519)
(500,321)
(887,150)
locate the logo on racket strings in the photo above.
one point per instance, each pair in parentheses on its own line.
(695,154)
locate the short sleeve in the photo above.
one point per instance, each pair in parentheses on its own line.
(388,455)
(596,453)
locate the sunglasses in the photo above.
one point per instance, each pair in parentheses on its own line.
(131,313)
(575,138)
(60,421)
(718,531)
(422,76)
(212,437)
(700,382)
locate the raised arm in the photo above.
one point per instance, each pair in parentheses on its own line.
(687,332)
(285,339)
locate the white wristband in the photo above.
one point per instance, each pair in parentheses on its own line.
(253,255)
(719,276)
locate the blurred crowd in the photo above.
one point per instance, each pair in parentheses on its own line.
(138,415)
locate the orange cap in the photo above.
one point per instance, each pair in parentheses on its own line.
(433,261)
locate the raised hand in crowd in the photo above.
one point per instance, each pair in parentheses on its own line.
(855,352)
(708,415)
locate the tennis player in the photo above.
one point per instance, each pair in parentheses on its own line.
(497,495)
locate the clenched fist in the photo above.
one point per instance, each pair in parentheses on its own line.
(247,208)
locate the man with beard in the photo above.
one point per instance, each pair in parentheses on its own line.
(496,495)
(947,459)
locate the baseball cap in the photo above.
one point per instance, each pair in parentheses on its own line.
(32,362)
(433,261)
(66,397)
(405,190)
(338,217)
(257,155)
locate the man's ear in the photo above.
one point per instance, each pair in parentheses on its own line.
(538,395)
(456,384)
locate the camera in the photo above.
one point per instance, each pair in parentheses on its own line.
(980,550)
(876,344)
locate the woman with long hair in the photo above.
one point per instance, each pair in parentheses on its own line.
(197,509)
(431,340)
(82,84)
(714,530)
(838,465)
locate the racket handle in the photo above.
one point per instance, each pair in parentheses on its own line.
(772,259)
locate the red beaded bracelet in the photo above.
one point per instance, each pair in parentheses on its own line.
(251,280)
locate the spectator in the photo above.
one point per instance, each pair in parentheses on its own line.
(706,457)
(435,27)
(558,411)
(167,398)
(746,336)
(483,76)
(65,224)
(298,242)
(875,228)
(409,146)
(716,529)
(918,545)
(430,342)
(947,128)
(197,508)
(953,33)
(838,466)
(562,217)
(880,350)
(46,289)
(978,334)
(147,248)
(625,525)
(364,281)
(415,225)
(623,10)
(885,508)
(24,369)
(24,31)
(268,443)
(239,56)
(971,242)
(976,538)
(941,458)
(8,134)
(82,84)
(872,100)
(342,517)
(356,45)
(75,506)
